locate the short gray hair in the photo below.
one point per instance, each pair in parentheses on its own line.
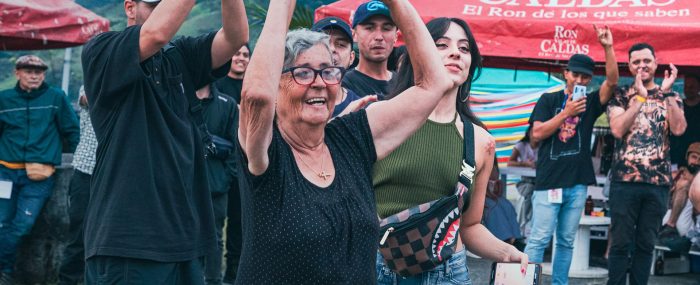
(299,41)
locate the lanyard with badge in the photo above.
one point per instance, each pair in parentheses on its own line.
(554,196)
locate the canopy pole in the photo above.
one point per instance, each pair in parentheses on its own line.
(66,70)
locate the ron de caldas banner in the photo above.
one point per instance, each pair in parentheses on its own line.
(557,29)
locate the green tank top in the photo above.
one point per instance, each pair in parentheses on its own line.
(424,168)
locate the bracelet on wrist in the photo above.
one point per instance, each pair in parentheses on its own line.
(640,98)
(668,94)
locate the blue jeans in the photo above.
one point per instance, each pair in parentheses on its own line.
(565,217)
(454,271)
(18,214)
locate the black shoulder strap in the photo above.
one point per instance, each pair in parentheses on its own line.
(468,169)
(197,111)
(469,143)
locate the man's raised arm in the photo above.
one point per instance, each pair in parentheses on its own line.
(160,27)
(232,35)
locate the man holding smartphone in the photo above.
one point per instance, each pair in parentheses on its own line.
(563,123)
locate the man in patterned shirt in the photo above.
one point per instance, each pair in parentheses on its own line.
(73,264)
(642,117)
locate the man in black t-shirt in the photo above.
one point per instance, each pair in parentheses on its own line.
(341,48)
(691,110)
(563,125)
(150,212)
(375,33)
(220,114)
(233,81)
(231,85)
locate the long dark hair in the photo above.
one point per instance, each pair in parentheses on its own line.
(437,28)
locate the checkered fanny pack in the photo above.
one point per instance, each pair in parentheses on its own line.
(418,239)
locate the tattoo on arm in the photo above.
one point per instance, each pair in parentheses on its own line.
(491,147)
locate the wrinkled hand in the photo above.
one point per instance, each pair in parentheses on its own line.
(514,255)
(669,78)
(357,105)
(605,37)
(573,108)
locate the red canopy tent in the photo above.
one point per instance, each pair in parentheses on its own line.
(46,24)
(541,34)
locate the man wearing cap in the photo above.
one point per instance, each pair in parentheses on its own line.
(343,55)
(375,34)
(642,118)
(563,125)
(678,220)
(150,219)
(34,118)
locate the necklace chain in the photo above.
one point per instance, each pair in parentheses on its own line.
(321,174)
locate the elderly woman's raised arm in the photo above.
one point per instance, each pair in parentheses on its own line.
(393,121)
(261,85)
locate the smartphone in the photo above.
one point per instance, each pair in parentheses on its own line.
(509,274)
(579,92)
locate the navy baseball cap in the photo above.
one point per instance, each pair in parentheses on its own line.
(581,63)
(332,23)
(369,9)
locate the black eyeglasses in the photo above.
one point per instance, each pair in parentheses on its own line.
(302,75)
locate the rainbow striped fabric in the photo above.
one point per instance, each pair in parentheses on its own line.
(504,99)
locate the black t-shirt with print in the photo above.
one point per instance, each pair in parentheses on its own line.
(564,160)
(364,85)
(298,233)
(643,155)
(149,192)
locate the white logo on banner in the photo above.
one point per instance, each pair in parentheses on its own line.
(563,44)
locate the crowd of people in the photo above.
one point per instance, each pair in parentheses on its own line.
(287,157)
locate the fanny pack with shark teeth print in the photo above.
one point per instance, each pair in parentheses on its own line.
(420,238)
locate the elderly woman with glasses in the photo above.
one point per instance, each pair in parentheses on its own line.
(309,212)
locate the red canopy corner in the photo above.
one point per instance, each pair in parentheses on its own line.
(46,24)
(543,34)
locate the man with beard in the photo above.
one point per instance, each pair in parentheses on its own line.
(642,117)
(679,219)
(375,34)
(149,219)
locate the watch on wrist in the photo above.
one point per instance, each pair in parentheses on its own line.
(668,94)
